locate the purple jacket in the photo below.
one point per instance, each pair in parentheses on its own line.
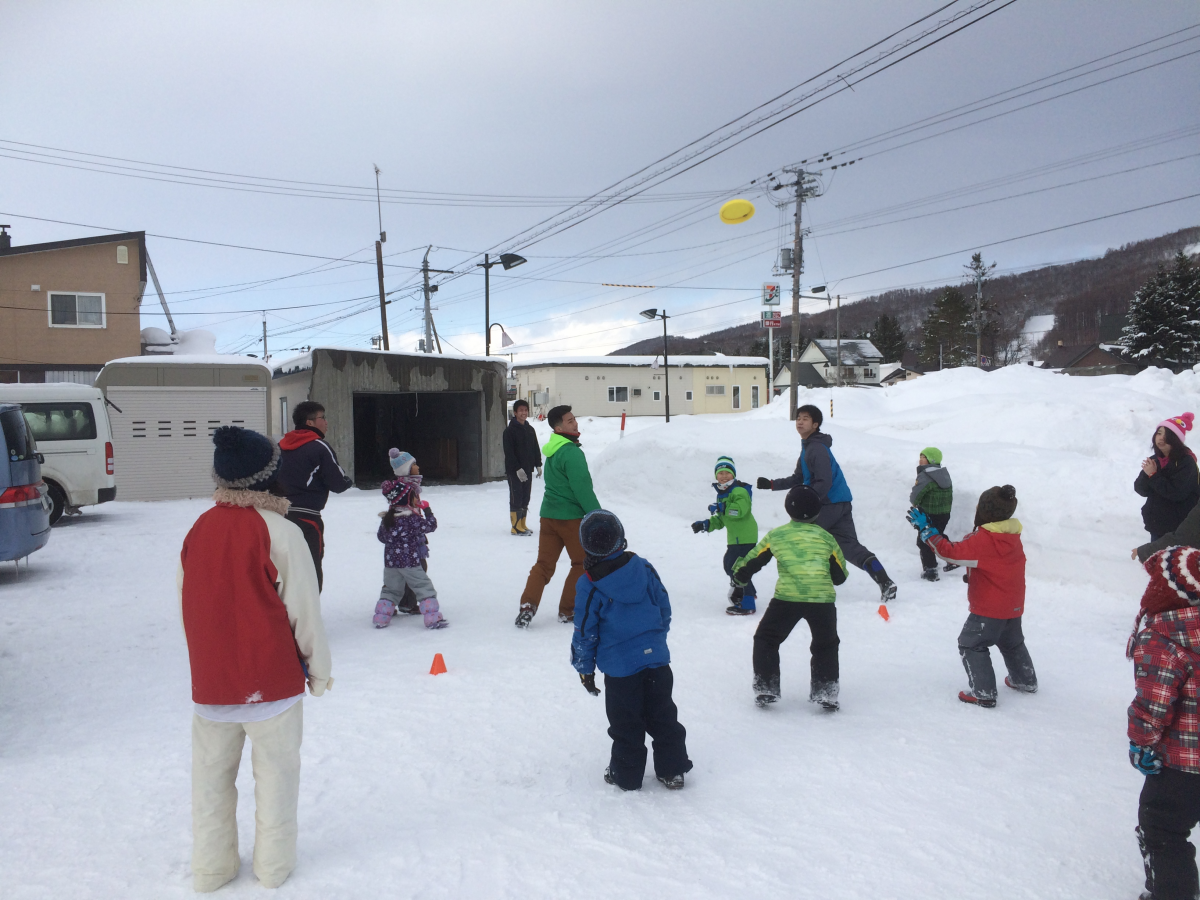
(404,543)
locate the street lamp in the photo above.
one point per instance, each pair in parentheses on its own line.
(505,340)
(509,261)
(655,314)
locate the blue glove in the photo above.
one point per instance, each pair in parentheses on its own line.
(717,509)
(920,521)
(699,526)
(1145,759)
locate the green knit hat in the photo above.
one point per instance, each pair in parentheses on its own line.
(933,454)
(725,462)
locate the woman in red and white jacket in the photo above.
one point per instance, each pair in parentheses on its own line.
(252,615)
(995,563)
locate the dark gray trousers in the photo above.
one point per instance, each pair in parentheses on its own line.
(981,632)
(838,520)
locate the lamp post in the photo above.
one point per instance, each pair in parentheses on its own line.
(655,314)
(505,340)
(509,261)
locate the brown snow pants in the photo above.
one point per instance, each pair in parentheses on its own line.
(553,536)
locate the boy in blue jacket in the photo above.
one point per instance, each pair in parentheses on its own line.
(622,616)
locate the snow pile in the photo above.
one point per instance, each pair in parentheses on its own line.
(486,781)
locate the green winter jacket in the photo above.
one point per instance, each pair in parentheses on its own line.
(569,493)
(809,559)
(933,491)
(737,520)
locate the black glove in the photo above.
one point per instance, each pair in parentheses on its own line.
(700,526)
(589,683)
(764,484)
(736,592)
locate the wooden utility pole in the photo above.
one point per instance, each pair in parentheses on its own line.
(797,263)
(837,319)
(265,354)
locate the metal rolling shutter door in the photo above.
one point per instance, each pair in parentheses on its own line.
(163,436)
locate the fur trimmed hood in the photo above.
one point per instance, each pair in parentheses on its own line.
(257,499)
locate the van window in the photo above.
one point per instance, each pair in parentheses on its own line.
(60,421)
(16,436)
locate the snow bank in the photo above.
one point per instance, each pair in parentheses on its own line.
(486,782)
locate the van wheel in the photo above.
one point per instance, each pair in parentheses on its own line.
(58,502)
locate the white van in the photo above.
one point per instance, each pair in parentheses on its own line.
(70,424)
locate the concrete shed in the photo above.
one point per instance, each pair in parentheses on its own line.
(448,411)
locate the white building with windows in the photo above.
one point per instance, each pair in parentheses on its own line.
(638,385)
(860,361)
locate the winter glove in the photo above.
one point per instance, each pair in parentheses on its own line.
(589,683)
(521,476)
(736,591)
(717,509)
(539,471)
(1145,759)
(920,521)
(763,484)
(699,526)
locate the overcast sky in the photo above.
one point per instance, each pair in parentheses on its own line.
(547,103)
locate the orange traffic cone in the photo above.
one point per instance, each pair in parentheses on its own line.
(439,665)
(883,613)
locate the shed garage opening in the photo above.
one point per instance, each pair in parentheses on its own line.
(442,429)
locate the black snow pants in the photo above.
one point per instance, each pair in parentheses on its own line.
(1167,812)
(734,552)
(519,491)
(928,557)
(313,527)
(637,705)
(981,632)
(777,623)
(838,520)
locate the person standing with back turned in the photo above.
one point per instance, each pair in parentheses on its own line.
(521,457)
(567,499)
(308,471)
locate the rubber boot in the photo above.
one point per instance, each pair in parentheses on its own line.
(522,528)
(512,517)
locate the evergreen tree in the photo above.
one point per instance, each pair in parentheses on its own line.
(948,331)
(888,338)
(1164,316)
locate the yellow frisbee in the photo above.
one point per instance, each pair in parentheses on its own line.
(736,211)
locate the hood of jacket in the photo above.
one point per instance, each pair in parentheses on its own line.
(557,442)
(251,499)
(939,475)
(820,437)
(1008,526)
(619,581)
(1179,626)
(293,440)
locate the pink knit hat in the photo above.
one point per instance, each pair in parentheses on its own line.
(1181,425)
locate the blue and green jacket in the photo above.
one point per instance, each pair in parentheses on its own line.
(817,468)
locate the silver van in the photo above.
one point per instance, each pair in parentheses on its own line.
(24,507)
(70,424)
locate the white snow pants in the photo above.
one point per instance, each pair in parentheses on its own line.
(275,756)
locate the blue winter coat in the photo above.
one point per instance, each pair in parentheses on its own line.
(622,616)
(817,468)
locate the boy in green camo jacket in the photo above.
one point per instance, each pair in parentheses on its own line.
(732,512)
(932,494)
(810,565)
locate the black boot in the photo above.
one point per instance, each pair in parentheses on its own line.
(766,690)
(931,574)
(887,587)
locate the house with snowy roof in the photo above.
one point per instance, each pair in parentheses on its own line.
(857,358)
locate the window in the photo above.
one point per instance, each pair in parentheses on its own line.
(76,310)
(658,395)
(122,255)
(754,396)
(637,392)
(688,396)
(618,395)
(16,435)
(283,419)
(60,421)
(737,396)
(714,390)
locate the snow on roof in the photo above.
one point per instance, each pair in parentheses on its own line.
(717,360)
(188,359)
(855,352)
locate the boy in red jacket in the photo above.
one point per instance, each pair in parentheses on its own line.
(1164,724)
(995,563)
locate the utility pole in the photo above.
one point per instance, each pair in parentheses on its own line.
(979,318)
(837,319)
(429,291)
(666,371)
(806,186)
(265,354)
(379,264)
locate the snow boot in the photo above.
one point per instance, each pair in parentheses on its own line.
(1023,688)
(432,614)
(565,619)
(826,694)
(950,567)
(384,610)
(931,574)
(887,587)
(525,616)
(522,529)
(743,607)
(512,517)
(408,604)
(674,783)
(985,702)
(766,690)
(610,778)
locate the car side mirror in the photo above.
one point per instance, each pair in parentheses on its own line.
(41,459)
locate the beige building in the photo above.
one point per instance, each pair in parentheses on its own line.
(638,385)
(69,306)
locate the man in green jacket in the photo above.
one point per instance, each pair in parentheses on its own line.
(567,498)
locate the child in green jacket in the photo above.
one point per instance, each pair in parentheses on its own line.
(732,512)
(810,565)
(932,494)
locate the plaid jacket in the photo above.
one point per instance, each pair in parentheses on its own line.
(1166,656)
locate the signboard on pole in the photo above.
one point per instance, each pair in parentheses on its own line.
(772,318)
(771,293)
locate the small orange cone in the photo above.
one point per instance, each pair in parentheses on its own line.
(439,665)
(883,613)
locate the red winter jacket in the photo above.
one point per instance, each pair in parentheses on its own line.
(995,561)
(1164,712)
(250,604)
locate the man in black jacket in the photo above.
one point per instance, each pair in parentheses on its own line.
(521,457)
(308,471)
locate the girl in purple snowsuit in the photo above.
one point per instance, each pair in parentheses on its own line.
(402,532)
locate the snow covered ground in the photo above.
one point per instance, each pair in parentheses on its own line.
(486,781)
